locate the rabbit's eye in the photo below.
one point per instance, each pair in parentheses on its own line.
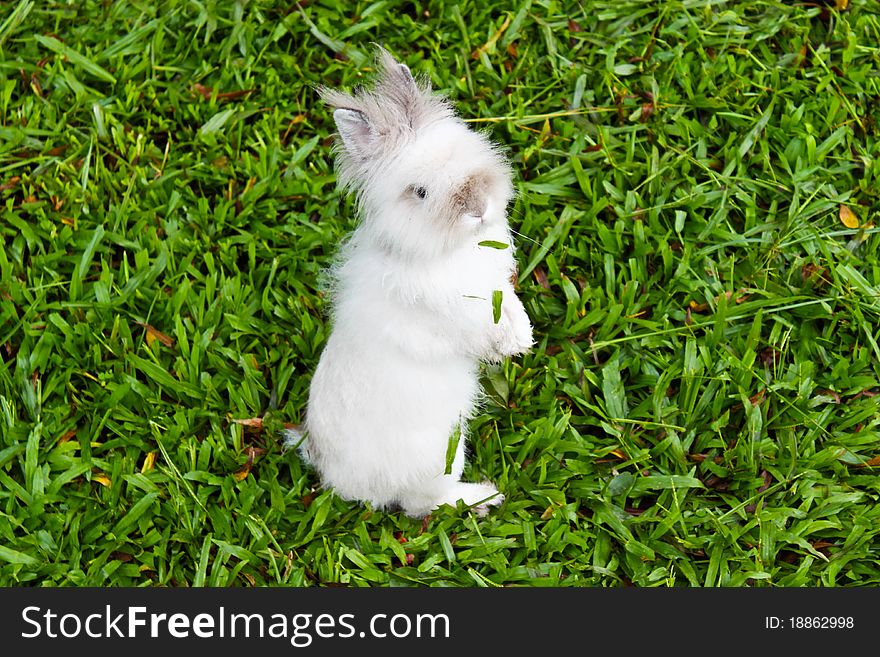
(421,192)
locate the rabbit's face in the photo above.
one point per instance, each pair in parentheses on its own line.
(442,187)
(425,182)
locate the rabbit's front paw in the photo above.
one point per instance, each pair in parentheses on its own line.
(516,331)
(523,340)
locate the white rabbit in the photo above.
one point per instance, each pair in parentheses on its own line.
(412,299)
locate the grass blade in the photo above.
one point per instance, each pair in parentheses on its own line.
(75,58)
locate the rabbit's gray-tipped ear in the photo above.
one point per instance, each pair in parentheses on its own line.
(396,80)
(354,129)
(407,75)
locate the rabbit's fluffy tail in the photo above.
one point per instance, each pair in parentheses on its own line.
(293,437)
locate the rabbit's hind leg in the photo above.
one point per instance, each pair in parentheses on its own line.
(448,490)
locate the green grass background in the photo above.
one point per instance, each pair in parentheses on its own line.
(701,406)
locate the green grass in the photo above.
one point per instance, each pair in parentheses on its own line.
(700,409)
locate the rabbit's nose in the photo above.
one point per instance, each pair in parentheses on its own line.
(476,207)
(473,197)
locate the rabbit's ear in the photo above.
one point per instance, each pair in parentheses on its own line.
(354,129)
(398,75)
(406,74)
(398,89)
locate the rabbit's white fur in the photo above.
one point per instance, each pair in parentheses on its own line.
(412,299)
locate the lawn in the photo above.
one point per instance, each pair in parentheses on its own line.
(698,186)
